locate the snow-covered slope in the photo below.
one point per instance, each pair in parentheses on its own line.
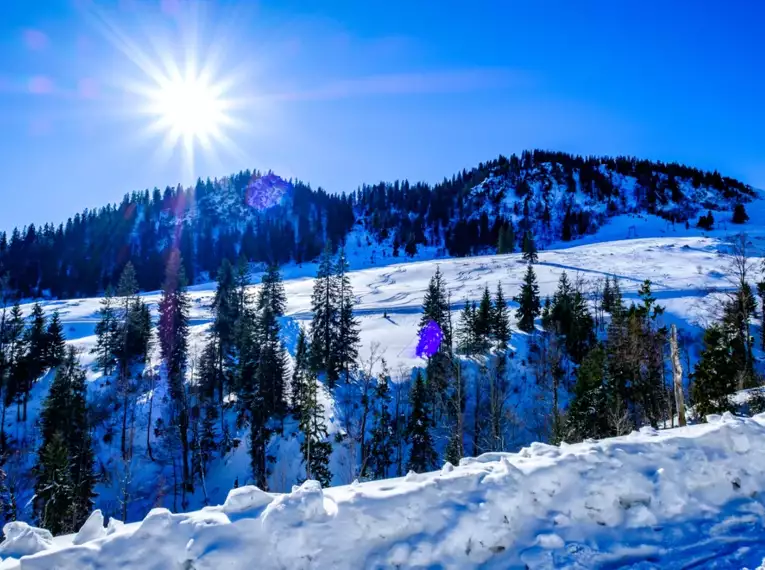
(688,497)
(687,268)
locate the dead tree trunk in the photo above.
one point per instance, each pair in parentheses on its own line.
(677,374)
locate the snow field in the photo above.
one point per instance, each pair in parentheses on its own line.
(674,498)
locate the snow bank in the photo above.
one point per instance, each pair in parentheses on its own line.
(670,497)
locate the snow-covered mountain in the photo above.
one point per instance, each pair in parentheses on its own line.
(625,225)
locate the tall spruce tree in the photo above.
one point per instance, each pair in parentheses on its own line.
(56,343)
(348,337)
(314,447)
(325,305)
(381,446)
(422,454)
(483,322)
(529,307)
(36,359)
(714,379)
(64,472)
(500,325)
(173,341)
(107,334)
(298,386)
(435,307)
(271,292)
(225,309)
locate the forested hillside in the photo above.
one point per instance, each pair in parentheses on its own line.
(553,195)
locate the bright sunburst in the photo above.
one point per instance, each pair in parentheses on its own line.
(189,109)
(186,92)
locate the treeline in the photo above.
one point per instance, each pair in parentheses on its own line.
(215,220)
(207,223)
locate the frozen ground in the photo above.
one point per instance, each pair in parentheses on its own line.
(682,498)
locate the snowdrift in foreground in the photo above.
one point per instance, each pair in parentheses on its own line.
(683,497)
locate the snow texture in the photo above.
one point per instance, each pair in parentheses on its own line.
(673,498)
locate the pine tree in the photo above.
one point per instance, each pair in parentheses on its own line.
(272,365)
(173,341)
(347,339)
(466,330)
(435,307)
(382,445)
(325,305)
(225,309)
(422,455)
(528,300)
(314,447)
(65,480)
(500,324)
(588,411)
(529,248)
(35,361)
(714,379)
(739,214)
(483,322)
(55,341)
(106,334)
(54,488)
(300,374)
(271,292)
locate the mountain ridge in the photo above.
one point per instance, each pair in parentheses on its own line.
(554,195)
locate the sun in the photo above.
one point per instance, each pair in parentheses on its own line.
(190,109)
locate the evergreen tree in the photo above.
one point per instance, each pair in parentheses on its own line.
(347,339)
(483,322)
(314,447)
(55,341)
(381,447)
(223,332)
(500,320)
(35,361)
(422,455)
(300,374)
(272,292)
(65,480)
(529,248)
(435,307)
(54,488)
(588,411)
(325,305)
(737,311)
(107,335)
(529,307)
(739,214)
(173,341)
(466,330)
(714,379)
(612,297)
(272,365)
(569,317)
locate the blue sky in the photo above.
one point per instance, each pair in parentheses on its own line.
(343,92)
